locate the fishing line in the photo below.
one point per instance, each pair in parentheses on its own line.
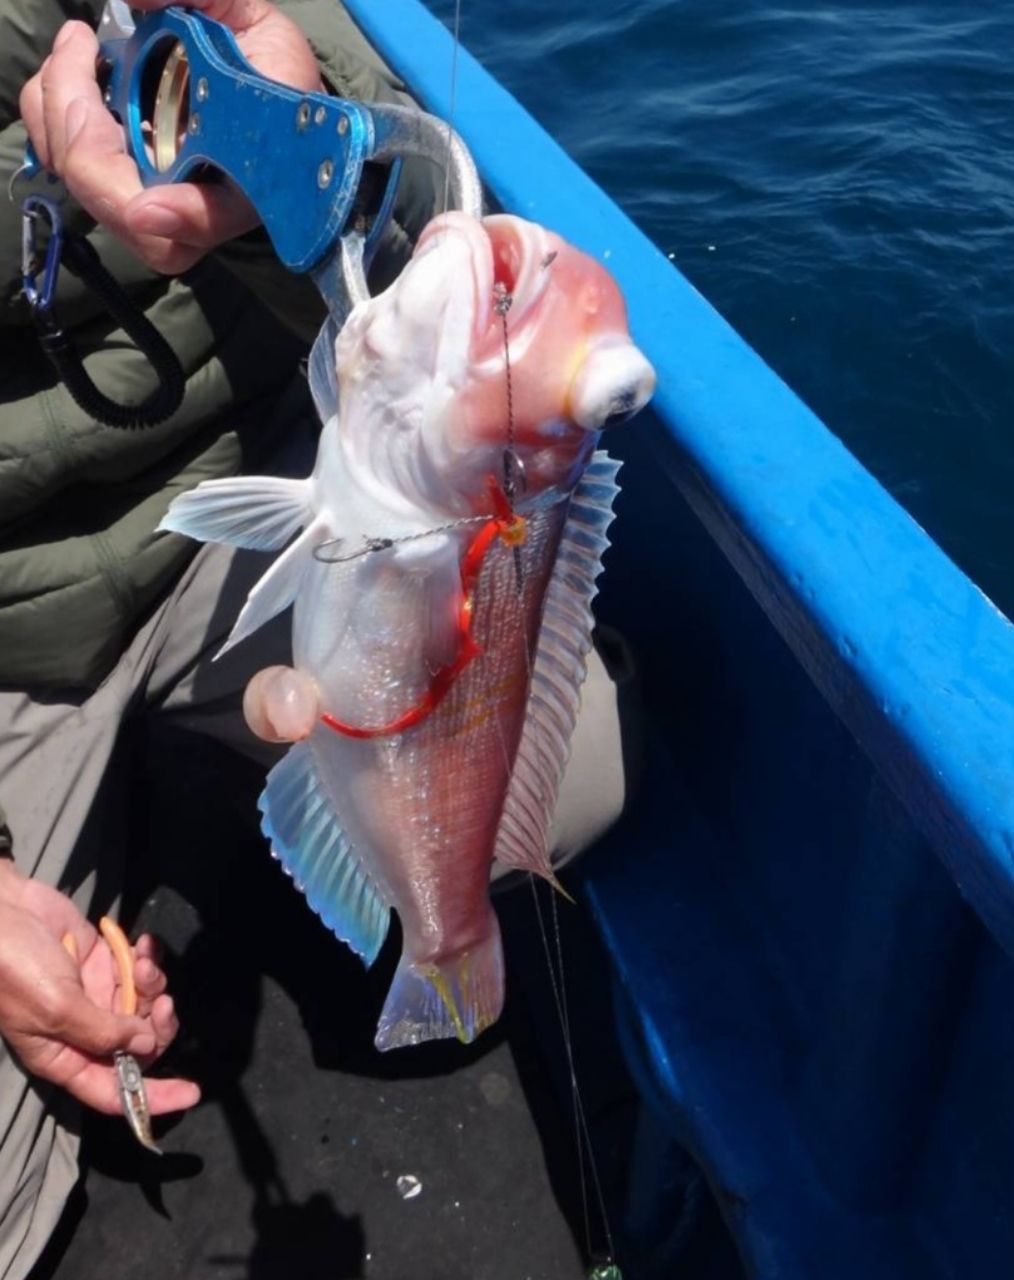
(578,1100)
(372,544)
(585,1149)
(512,469)
(586,1160)
(502,300)
(453,99)
(569,1052)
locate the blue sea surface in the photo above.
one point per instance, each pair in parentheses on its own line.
(838,180)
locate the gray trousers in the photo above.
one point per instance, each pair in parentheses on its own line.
(54,761)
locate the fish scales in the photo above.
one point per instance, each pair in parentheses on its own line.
(426,803)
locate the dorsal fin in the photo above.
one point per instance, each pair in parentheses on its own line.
(559,668)
(308,840)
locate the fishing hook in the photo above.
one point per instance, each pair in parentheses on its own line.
(371,544)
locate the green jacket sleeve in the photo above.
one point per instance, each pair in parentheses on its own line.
(80,502)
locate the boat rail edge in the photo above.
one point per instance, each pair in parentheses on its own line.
(911,655)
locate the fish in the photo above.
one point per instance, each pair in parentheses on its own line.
(441,560)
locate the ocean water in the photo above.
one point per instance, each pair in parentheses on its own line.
(838,180)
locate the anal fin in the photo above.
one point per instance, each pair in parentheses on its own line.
(308,840)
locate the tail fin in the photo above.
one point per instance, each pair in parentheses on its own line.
(459,996)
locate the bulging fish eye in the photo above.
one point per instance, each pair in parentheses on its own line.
(625,404)
(612,384)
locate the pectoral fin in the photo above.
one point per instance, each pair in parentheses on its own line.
(323,371)
(259,512)
(276,590)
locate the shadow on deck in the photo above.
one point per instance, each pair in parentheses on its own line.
(291,1165)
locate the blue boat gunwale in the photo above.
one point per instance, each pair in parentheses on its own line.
(910,654)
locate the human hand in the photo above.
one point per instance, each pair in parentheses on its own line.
(169,227)
(56,1012)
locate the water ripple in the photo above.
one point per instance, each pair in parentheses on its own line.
(838,179)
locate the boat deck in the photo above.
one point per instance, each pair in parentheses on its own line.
(291,1165)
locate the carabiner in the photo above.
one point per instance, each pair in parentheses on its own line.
(40,299)
(78,255)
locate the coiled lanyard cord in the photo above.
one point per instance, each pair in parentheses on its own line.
(80,258)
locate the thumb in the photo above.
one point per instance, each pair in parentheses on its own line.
(92,127)
(201,215)
(238,15)
(97,1032)
(96,167)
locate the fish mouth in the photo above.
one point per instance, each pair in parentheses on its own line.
(509,258)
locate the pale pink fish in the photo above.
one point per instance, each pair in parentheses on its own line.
(467,755)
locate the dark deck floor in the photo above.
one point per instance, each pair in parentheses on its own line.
(295,1163)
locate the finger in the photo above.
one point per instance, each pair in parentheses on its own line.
(200,215)
(92,1030)
(96,1086)
(164,1023)
(166,1096)
(69,74)
(96,166)
(149,980)
(238,15)
(281,704)
(149,947)
(104,179)
(269,39)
